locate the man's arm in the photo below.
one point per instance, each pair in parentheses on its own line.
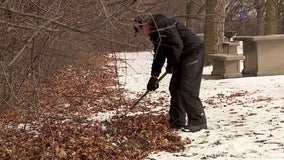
(158,60)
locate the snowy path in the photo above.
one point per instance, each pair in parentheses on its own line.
(245,115)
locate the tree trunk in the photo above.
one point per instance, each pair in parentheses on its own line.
(260,7)
(191,10)
(281,16)
(195,10)
(271,22)
(210,38)
(220,25)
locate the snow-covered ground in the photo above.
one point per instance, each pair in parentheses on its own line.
(245,115)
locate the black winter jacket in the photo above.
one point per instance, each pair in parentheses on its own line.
(172,41)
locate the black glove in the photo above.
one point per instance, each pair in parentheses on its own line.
(152,85)
(171,69)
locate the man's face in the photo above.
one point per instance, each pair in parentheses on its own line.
(142,30)
(145,30)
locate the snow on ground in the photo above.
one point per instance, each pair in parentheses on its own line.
(245,115)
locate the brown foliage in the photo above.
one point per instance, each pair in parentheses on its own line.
(59,125)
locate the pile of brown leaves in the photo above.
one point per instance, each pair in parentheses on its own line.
(58,125)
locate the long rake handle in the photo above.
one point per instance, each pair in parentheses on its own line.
(158,81)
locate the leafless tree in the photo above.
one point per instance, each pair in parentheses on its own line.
(271,17)
(40,36)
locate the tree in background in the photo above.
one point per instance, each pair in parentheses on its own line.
(41,36)
(210,37)
(260,10)
(271,17)
(195,10)
(214,27)
(220,24)
(281,16)
(38,36)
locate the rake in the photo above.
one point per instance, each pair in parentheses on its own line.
(147,91)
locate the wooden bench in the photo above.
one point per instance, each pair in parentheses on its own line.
(226,65)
